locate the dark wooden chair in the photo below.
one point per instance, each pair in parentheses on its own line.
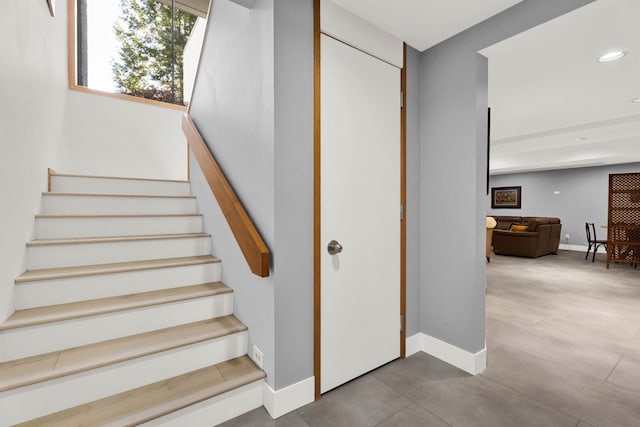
(593,241)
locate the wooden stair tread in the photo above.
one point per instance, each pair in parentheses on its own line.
(118,267)
(71,175)
(56,313)
(154,400)
(108,239)
(150,196)
(115,215)
(43,367)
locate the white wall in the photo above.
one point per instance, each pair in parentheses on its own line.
(43,124)
(33,87)
(191,56)
(110,136)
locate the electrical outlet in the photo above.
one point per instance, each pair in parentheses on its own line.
(566,237)
(257,356)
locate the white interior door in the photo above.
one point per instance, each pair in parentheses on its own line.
(360,209)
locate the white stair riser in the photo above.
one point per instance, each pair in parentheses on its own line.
(217,410)
(39,339)
(61,291)
(65,227)
(68,255)
(107,205)
(40,399)
(75,184)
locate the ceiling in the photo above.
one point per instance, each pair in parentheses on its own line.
(553,105)
(424,23)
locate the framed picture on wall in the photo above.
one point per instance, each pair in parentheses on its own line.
(506,197)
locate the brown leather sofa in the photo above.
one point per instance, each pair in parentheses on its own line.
(539,236)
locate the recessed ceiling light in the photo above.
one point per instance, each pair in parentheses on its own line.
(612,56)
(636,100)
(579,139)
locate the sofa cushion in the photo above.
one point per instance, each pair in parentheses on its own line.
(535,222)
(516,227)
(504,222)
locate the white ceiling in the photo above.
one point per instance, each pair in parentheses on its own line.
(425,23)
(553,105)
(545,87)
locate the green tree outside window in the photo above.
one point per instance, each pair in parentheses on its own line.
(150,63)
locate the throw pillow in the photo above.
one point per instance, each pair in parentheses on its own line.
(519,227)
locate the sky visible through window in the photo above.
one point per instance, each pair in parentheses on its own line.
(102,44)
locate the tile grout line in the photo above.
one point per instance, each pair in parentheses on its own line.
(614,368)
(304,420)
(535,326)
(532,398)
(397,391)
(398,411)
(435,415)
(409,398)
(559,365)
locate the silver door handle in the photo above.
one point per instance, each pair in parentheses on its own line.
(334,248)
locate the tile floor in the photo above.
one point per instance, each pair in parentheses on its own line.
(563,338)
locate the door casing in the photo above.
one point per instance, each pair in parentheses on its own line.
(317,206)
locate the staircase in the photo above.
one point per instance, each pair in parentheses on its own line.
(120,317)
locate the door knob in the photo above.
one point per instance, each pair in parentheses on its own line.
(334,247)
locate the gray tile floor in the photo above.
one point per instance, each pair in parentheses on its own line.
(563,338)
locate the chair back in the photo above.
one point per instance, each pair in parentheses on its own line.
(588,226)
(591,232)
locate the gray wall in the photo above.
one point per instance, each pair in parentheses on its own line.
(584,196)
(253,103)
(232,102)
(293,247)
(413,191)
(453,159)
(233,107)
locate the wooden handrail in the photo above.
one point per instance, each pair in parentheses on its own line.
(251,244)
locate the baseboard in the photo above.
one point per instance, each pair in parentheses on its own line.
(288,399)
(577,248)
(413,344)
(473,363)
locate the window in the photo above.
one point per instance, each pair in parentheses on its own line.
(134,47)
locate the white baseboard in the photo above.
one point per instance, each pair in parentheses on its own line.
(577,248)
(413,344)
(285,400)
(473,363)
(288,399)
